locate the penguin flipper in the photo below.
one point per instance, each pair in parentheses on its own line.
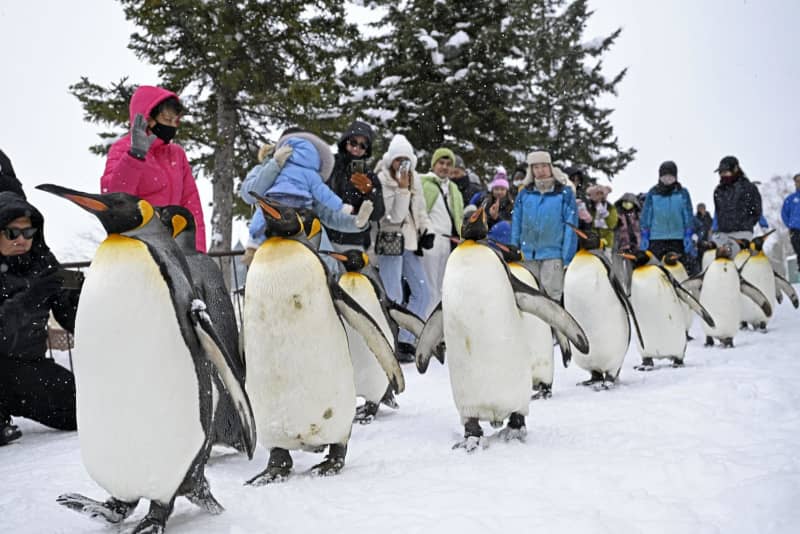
(755,294)
(622,295)
(406,319)
(693,285)
(563,344)
(226,366)
(430,337)
(686,296)
(784,286)
(355,315)
(551,312)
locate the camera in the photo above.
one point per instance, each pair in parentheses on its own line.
(358,166)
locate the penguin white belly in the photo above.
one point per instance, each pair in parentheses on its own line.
(138,407)
(538,333)
(487,349)
(720,297)
(757,271)
(299,375)
(591,300)
(659,313)
(370,378)
(680,274)
(708,258)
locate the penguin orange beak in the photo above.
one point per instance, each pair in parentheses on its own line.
(87,201)
(578,231)
(628,256)
(502,247)
(336,256)
(476,215)
(267,207)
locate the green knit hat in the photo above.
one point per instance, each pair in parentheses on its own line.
(442,152)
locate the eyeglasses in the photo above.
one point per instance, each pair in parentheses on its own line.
(13,233)
(355,144)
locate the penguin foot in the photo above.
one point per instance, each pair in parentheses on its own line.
(543,391)
(743,325)
(646,365)
(333,463)
(389,400)
(279,466)
(365,413)
(156,519)
(602,386)
(8,432)
(496,424)
(727,342)
(677,362)
(689,337)
(112,512)
(509,434)
(472,443)
(201,497)
(594,379)
(709,341)
(406,353)
(762,327)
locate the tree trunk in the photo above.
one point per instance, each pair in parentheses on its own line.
(224,170)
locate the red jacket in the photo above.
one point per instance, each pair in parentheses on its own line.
(164,177)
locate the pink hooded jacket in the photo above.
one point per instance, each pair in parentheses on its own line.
(164,177)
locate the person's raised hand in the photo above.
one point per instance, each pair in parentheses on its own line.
(361,182)
(140,141)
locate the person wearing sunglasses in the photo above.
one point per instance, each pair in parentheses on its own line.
(354,183)
(31,286)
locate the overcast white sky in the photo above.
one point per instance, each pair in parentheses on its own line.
(706,78)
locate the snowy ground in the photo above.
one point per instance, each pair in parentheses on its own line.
(712,448)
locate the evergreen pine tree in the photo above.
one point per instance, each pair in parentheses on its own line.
(492,80)
(241,68)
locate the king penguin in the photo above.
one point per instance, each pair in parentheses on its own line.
(720,286)
(299,374)
(656,298)
(480,319)
(370,379)
(672,263)
(210,286)
(597,299)
(146,352)
(754,266)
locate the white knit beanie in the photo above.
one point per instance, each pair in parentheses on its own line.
(399,147)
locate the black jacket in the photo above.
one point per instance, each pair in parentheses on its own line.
(23,326)
(340,184)
(468,189)
(737,205)
(8,179)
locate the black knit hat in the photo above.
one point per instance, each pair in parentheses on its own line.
(728,163)
(667,168)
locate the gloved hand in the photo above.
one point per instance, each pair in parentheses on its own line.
(265,151)
(362,183)
(140,141)
(426,240)
(41,289)
(282,154)
(645,244)
(688,244)
(366,209)
(583,213)
(346,209)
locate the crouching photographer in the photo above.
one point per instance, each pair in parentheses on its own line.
(32,284)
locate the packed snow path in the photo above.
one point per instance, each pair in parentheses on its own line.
(710,448)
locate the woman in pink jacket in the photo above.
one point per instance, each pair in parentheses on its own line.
(146,164)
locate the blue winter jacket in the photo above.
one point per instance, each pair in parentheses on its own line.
(667,216)
(790,213)
(539,223)
(300,177)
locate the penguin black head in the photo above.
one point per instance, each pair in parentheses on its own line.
(510,253)
(180,223)
(311,225)
(118,212)
(671,258)
(724,251)
(354,259)
(589,240)
(707,245)
(475,226)
(757,243)
(282,221)
(641,258)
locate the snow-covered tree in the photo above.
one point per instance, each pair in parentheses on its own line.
(492,80)
(243,69)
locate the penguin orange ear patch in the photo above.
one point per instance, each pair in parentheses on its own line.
(88,203)
(147,212)
(316,228)
(179,224)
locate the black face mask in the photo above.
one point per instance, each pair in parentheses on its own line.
(164,132)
